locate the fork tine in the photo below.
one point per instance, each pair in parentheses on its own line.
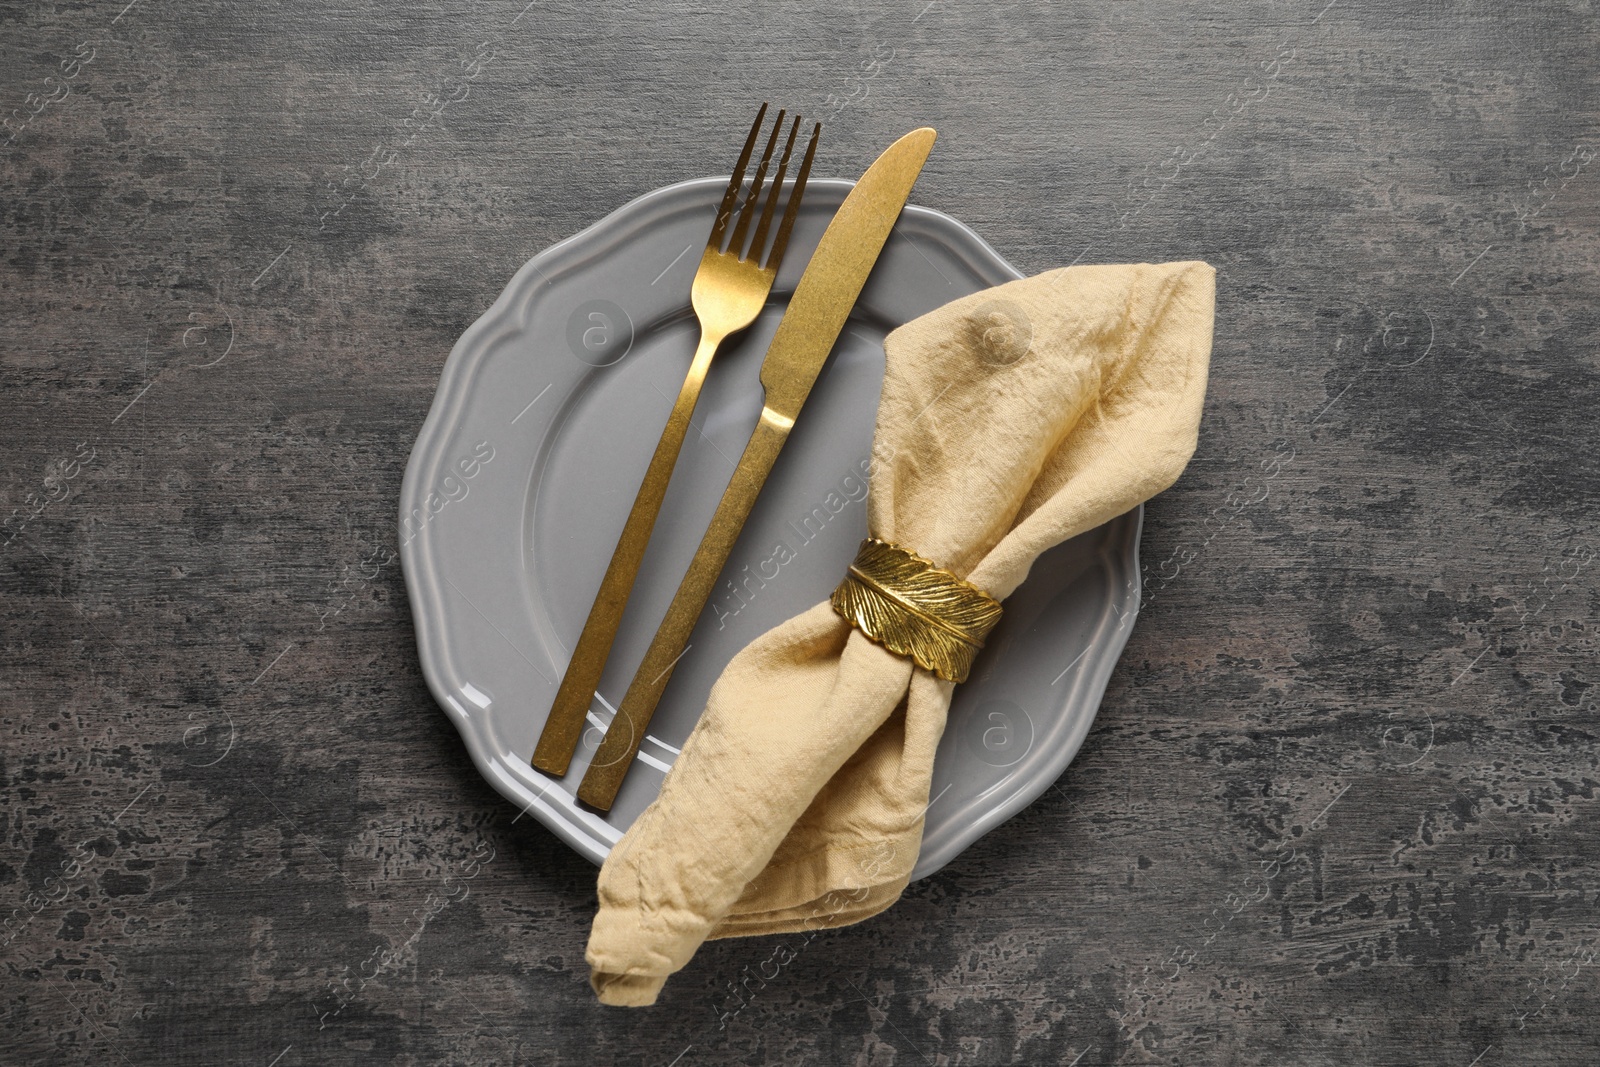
(758,243)
(736,243)
(780,242)
(720,226)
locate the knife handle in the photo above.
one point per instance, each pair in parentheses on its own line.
(564,726)
(615,755)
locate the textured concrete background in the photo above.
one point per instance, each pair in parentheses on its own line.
(1338,807)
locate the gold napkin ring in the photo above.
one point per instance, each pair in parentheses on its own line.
(912,608)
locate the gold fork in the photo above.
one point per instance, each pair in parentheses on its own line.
(729,291)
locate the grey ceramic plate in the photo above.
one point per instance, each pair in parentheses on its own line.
(546,414)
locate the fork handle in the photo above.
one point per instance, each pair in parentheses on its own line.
(621,743)
(564,727)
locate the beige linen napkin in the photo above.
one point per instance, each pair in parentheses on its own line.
(1010,421)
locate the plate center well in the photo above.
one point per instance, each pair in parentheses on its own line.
(801,535)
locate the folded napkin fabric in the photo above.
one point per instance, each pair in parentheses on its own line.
(1010,420)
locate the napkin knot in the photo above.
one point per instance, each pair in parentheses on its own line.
(911,607)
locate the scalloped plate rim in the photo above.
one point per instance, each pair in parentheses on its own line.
(418,565)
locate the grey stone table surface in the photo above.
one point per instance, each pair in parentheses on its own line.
(1339,804)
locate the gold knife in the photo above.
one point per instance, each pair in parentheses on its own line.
(817,312)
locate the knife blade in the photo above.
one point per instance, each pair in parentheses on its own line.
(817,311)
